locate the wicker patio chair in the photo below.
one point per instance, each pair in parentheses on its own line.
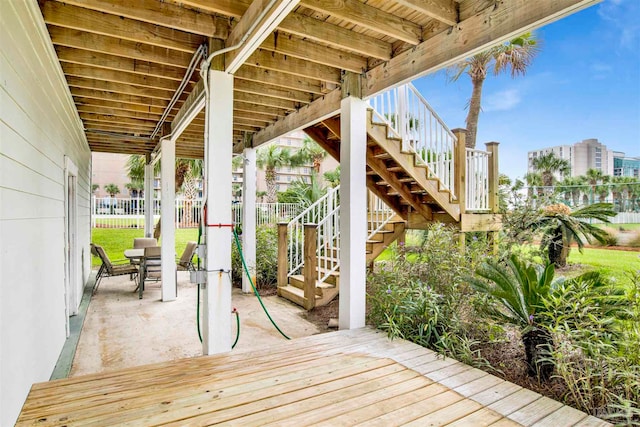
(110,269)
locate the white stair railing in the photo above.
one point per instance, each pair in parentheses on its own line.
(314,214)
(326,214)
(379,215)
(477,185)
(423,132)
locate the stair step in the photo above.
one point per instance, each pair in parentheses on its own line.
(294,294)
(297,281)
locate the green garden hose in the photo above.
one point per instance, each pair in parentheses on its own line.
(255,291)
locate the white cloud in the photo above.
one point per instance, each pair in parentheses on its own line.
(503,100)
(622,16)
(600,70)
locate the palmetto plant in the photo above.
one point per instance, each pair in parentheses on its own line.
(517,291)
(561,226)
(548,164)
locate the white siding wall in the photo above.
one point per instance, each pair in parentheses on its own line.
(39,126)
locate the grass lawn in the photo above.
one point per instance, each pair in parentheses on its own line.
(116,240)
(615,263)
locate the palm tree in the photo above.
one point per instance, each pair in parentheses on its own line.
(305,194)
(270,158)
(548,164)
(561,226)
(593,176)
(517,292)
(603,189)
(310,152)
(112,189)
(515,55)
(533,179)
(571,187)
(333,177)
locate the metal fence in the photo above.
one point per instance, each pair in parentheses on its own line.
(109,212)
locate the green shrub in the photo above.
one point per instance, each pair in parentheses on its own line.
(266,258)
(610,238)
(420,296)
(596,324)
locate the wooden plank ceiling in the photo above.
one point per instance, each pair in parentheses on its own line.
(124,60)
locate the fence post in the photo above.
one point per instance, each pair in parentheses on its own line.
(310,269)
(494,173)
(282,255)
(494,187)
(460,168)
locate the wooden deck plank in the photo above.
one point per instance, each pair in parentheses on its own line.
(565,416)
(448,414)
(341,378)
(369,412)
(353,403)
(515,401)
(187,395)
(263,412)
(535,411)
(592,421)
(495,393)
(480,418)
(478,385)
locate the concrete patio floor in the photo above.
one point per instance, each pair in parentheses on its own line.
(122,331)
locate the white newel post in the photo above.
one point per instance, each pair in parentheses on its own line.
(168,219)
(148,197)
(218,152)
(249,216)
(353,212)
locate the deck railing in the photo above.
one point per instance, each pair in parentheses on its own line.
(423,132)
(477,184)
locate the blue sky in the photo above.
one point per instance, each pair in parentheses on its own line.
(584,83)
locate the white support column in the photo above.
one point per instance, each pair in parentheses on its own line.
(218,152)
(249,216)
(353,212)
(168,219)
(148,197)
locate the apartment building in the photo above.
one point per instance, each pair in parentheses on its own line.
(582,156)
(626,166)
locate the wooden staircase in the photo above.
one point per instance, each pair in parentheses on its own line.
(424,179)
(326,291)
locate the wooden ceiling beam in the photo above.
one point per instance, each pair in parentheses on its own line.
(124,122)
(318,110)
(258,109)
(287,44)
(160,13)
(125,89)
(304,26)
(97,109)
(257,22)
(119,149)
(440,10)
(79,39)
(336,36)
(92,102)
(276,78)
(87,71)
(368,17)
(496,23)
(295,66)
(271,91)
(78,18)
(101,126)
(118,63)
(131,101)
(267,101)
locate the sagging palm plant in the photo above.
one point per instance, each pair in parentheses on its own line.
(561,227)
(517,291)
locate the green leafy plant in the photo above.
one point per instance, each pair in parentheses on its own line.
(266,258)
(420,296)
(517,291)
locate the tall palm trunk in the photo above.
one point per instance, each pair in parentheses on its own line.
(189,191)
(270,180)
(474,111)
(182,169)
